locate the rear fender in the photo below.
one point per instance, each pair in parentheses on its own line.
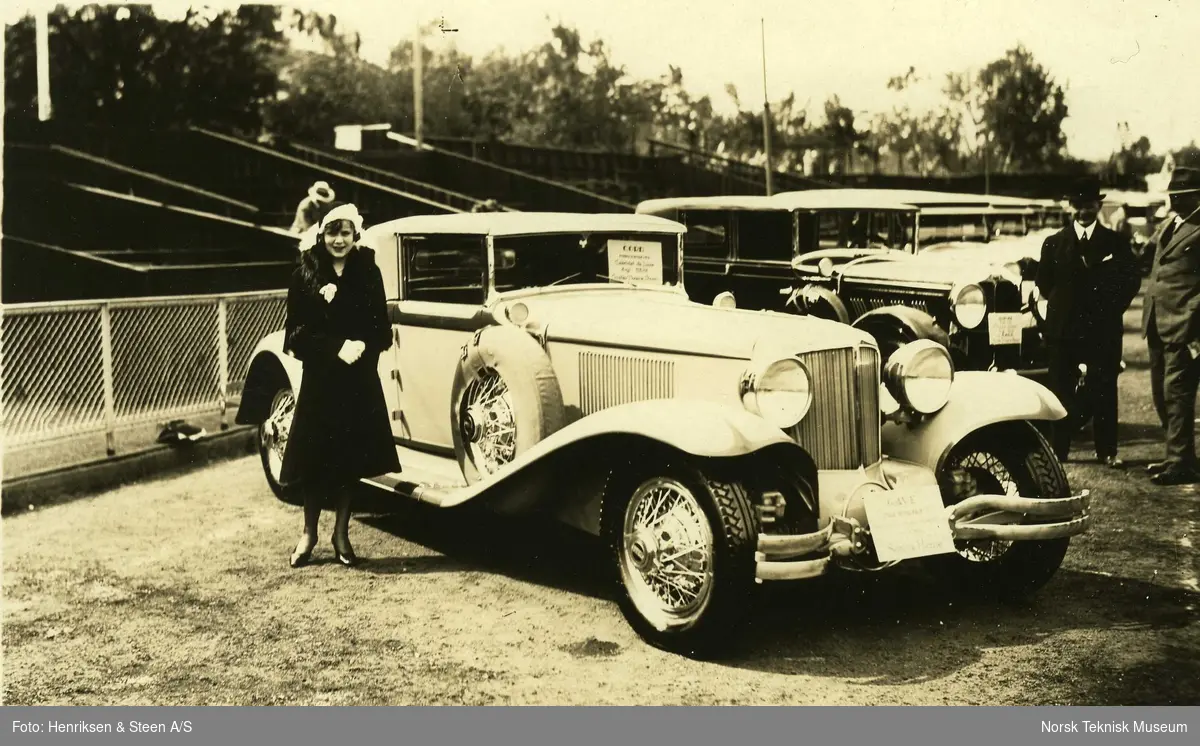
(977,399)
(268,363)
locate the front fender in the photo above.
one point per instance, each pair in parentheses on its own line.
(699,428)
(977,399)
(894,318)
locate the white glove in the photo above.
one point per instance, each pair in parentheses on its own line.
(351,351)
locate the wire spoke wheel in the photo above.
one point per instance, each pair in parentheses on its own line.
(666,553)
(1011,459)
(488,422)
(983,473)
(276,429)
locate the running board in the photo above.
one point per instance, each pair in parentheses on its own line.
(427,493)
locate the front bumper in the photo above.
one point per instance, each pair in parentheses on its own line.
(996,517)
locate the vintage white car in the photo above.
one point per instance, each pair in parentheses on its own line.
(552,365)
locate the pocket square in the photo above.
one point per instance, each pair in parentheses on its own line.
(1106,259)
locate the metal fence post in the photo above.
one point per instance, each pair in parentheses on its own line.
(110,400)
(223,359)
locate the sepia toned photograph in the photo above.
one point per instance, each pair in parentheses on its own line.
(451,352)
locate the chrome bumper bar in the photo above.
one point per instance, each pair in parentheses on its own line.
(979,517)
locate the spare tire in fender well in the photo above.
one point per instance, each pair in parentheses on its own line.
(530,383)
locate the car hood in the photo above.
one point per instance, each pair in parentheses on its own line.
(996,252)
(666,322)
(930,270)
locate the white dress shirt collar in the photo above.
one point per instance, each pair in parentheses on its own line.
(1080,231)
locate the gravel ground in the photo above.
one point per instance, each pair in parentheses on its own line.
(178,592)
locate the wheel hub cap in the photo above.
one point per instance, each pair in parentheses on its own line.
(667,554)
(644,551)
(487,422)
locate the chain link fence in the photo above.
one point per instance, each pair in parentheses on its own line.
(79,368)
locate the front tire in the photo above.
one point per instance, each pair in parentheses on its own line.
(273,435)
(1009,459)
(683,541)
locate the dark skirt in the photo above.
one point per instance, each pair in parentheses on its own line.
(340,431)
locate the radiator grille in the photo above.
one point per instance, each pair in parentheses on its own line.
(860,301)
(609,380)
(841,431)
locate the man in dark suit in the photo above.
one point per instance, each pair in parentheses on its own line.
(1089,276)
(1169,323)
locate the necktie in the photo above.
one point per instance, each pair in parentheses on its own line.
(1083,250)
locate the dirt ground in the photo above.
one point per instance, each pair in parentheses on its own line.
(178,592)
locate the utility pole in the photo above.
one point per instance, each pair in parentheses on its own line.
(987,166)
(418,92)
(766,108)
(42,45)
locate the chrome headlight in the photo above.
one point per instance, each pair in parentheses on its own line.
(780,392)
(919,375)
(969,305)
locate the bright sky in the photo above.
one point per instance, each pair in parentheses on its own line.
(1120,60)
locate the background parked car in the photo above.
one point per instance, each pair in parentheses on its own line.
(883,283)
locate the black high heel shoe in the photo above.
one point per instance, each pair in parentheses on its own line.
(301,557)
(346,558)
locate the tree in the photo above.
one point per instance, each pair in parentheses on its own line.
(1015,112)
(1188,155)
(1134,158)
(122,64)
(839,129)
(321,91)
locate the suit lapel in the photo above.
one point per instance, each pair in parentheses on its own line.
(1185,235)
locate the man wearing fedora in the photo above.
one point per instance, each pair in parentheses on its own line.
(1089,276)
(1169,323)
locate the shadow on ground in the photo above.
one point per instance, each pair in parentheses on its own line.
(532,551)
(889,628)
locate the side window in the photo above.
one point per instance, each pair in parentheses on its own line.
(707,234)
(765,236)
(889,230)
(445,269)
(845,229)
(830,230)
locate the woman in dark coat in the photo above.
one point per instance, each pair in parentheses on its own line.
(337,326)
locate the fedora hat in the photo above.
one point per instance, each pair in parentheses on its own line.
(1184,179)
(321,191)
(1085,189)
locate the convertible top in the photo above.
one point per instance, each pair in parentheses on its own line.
(526,223)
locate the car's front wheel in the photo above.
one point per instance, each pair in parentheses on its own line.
(273,435)
(683,540)
(1011,459)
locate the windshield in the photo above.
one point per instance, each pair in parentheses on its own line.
(856,229)
(1008,225)
(961,227)
(639,259)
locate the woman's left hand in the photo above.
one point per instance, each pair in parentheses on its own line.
(328,291)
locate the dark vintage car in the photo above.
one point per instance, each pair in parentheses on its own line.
(864,257)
